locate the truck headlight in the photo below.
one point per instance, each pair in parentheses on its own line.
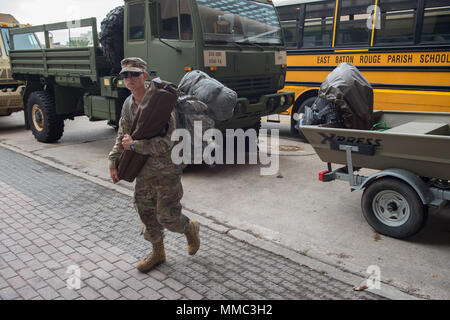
(282,100)
(290,100)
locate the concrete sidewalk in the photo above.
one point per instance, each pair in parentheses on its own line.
(52,221)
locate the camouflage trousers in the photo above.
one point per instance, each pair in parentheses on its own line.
(157,200)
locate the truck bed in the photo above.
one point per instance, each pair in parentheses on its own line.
(415,141)
(58,62)
(71,66)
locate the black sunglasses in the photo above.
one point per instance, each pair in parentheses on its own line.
(132,74)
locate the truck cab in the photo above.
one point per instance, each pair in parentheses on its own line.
(237,42)
(10,89)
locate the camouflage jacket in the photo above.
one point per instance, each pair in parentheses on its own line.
(158,148)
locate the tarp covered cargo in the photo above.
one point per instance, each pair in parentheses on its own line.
(191,114)
(345,100)
(220,100)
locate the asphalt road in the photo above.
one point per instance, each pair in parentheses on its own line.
(291,208)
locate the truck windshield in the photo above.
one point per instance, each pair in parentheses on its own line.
(239,21)
(24,41)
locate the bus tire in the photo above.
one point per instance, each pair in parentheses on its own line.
(299,109)
(44,123)
(111,37)
(393,208)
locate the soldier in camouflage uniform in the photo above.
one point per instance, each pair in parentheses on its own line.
(158,189)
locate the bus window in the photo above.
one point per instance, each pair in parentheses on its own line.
(289,18)
(397,22)
(318,26)
(436,22)
(290,33)
(185,20)
(352,26)
(169,17)
(136,20)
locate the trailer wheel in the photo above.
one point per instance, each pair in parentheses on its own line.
(299,109)
(45,124)
(393,208)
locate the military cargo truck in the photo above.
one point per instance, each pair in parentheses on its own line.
(237,42)
(10,89)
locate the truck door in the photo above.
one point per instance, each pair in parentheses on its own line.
(171,47)
(136,30)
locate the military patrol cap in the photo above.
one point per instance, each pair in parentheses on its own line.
(133,64)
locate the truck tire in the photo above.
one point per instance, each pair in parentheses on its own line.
(256,126)
(111,37)
(298,109)
(393,208)
(45,124)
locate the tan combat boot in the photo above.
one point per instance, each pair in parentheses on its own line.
(193,237)
(156,257)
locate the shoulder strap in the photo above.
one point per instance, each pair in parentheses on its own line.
(127,108)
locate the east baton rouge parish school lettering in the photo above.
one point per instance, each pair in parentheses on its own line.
(386,59)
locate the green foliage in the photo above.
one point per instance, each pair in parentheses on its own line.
(78,43)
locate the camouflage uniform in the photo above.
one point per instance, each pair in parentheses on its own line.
(158,189)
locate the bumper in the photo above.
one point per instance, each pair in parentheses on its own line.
(267,104)
(11,101)
(247,114)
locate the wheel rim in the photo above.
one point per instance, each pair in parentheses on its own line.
(38,117)
(301,111)
(391,208)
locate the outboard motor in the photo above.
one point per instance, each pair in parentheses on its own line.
(345,101)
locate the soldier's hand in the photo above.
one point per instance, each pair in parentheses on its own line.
(114,175)
(126,142)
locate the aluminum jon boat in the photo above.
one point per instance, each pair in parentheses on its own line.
(414,141)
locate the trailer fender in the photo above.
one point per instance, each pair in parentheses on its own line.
(423,191)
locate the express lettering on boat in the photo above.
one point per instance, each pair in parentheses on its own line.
(366,141)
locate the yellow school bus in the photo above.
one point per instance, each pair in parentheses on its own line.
(401,46)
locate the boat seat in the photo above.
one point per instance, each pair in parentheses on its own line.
(417,127)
